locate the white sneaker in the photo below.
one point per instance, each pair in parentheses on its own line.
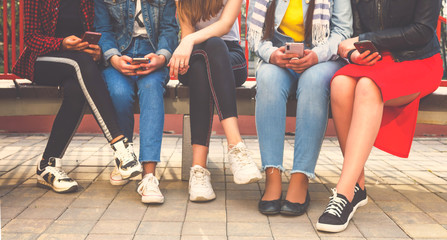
(53,177)
(116,179)
(149,191)
(243,168)
(125,159)
(200,188)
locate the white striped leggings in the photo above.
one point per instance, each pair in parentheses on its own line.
(82,85)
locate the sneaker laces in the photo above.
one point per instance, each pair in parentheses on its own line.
(149,182)
(336,204)
(60,174)
(242,155)
(127,155)
(199,176)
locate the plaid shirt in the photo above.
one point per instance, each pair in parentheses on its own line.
(40,27)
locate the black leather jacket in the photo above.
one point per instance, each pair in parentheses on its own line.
(406,28)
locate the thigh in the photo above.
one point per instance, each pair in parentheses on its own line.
(117,83)
(238,62)
(272,80)
(318,77)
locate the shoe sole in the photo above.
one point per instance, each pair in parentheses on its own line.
(334,228)
(252,180)
(361,204)
(270,213)
(43,184)
(133,174)
(150,199)
(287,213)
(118,182)
(201,199)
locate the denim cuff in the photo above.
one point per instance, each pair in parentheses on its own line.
(281,168)
(149,161)
(309,175)
(110,53)
(165,53)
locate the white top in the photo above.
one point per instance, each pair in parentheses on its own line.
(137,30)
(232,35)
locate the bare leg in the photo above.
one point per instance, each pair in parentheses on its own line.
(149,167)
(199,154)
(342,104)
(231,130)
(298,185)
(272,184)
(365,123)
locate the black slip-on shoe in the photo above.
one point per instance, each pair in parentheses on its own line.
(295,209)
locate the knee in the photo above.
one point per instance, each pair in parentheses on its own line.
(73,94)
(341,89)
(215,45)
(152,83)
(367,91)
(121,94)
(85,62)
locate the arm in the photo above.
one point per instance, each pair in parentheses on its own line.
(416,34)
(341,29)
(34,38)
(168,31)
(103,25)
(180,58)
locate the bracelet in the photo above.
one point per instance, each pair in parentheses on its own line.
(348,56)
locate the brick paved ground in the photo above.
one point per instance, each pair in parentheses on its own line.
(408,197)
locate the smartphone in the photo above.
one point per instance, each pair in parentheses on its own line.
(138,61)
(365,45)
(91,37)
(295,48)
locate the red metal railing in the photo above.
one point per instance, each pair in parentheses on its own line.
(12,48)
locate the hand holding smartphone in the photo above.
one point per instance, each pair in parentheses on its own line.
(295,48)
(365,45)
(138,61)
(91,37)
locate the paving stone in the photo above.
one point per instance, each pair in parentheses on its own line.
(153,237)
(203,238)
(440,217)
(11,212)
(204,229)
(73,213)
(160,228)
(251,238)
(47,236)
(70,227)
(39,213)
(89,203)
(374,229)
(115,227)
(26,226)
(205,215)
(110,237)
(19,236)
(248,229)
(293,229)
(394,206)
(411,218)
(430,207)
(425,230)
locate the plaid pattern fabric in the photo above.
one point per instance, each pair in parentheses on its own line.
(40,27)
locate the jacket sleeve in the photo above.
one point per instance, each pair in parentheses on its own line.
(34,38)
(341,29)
(168,31)
(418,33)
(103,25)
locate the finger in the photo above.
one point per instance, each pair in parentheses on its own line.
(126,58)
(176,66)
(289,55)
(371,56)
(171,67)
(282,49)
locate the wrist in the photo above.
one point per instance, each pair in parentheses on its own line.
(348,56)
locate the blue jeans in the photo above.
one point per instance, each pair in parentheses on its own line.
(312,87)
(149,89)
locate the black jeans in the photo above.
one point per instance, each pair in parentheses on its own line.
(82,85)
(216,68)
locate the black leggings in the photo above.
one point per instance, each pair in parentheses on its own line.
(216,68)
(82,85)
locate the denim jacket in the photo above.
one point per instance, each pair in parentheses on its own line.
(340,25)
(114,19)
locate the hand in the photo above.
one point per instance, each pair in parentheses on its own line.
(155,62)
(73,43)
(122,64)
(179,62)
(364,59)
(299,65)
(94,51)
(279,58)
(345,46)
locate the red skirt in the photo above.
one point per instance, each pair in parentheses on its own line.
(397,79)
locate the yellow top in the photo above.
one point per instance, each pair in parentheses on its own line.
(292,23)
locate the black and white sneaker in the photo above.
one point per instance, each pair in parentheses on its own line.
(337,214)
(125,159)
(53,177)
(360,198)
